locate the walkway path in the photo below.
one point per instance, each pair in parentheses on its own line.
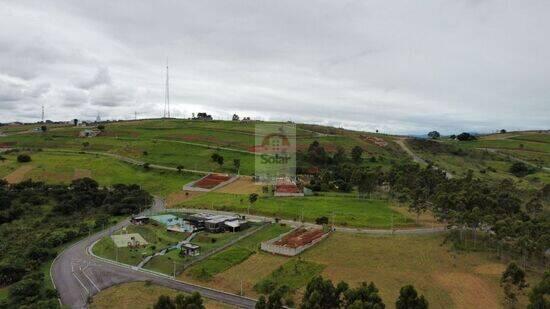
(497,151)
(415,157)
(126,159)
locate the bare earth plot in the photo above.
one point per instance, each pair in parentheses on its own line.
(19,174)
(175,198)
(82,173)
(243,185)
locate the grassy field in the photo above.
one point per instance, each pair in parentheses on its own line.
(530,146)
(234,255)
(295,274)
(187,143)
(460,157)
(55,167)
(344,209)
(139,295)
(448,279)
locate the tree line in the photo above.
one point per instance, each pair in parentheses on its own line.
(36,219)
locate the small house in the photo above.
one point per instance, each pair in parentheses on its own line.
(139,220)
(189,249)
(236,225)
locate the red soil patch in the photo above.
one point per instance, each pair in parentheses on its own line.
(211,181)
(82,173)
(178,197)
(374,140)
(19,174)
(299,237)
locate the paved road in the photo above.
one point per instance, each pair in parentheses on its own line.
(77,275)
(404,231)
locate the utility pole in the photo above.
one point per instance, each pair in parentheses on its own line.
(42,113)
(167,94)
(174,269)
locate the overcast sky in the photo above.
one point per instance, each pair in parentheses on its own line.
(396,66)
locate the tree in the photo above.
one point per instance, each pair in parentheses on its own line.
(193,301)
(321,220)
(534,206)
(101,127)
(367,183)
(252,198)
(274,300)
(464,136)
(408,299)
(434,135)
(85,144)
(512,281)
(44,128)
(539,297)
(220,161)
(340,156)
(356,154)
(217,158)
(75,121)
(237,164)
(364,296)
(235,117)
(23,158)
(418,206)
(320,294)
(2,158)
(502,131)
(146,165)
(179,168)
(452,136)
(164,302)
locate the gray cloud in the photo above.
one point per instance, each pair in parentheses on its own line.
(102,77)
(400,66)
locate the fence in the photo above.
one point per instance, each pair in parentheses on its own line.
(270,246)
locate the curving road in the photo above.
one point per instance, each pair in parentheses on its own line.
(78,275)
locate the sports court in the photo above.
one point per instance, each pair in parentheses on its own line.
(125,240)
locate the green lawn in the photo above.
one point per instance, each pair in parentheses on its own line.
(220,262)
(345,210)
(206,241)
(54,167)
(4,293)
(156,236)
(236,253)
(294,274)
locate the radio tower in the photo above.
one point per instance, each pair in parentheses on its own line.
(42,113)
(167,95)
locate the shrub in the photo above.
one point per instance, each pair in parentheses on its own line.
(520,169)
(23,158)
(321,220)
